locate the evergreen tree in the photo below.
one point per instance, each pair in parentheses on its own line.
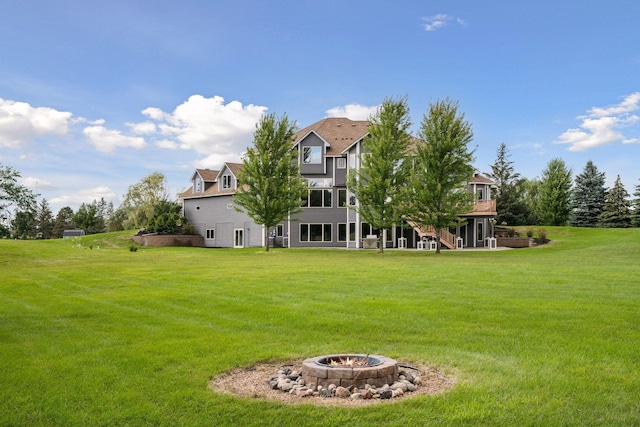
(635,213)
(269,184)
(44,220)
(509,190)
(88,218)
(436,191)
(587,197)
(166,218)
(64,221)
(377,183)
(616,212)
(554,194)
(24,225)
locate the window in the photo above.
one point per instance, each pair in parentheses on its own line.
(198,185)
(341,163)
(315,232)
(319,197)
(342,198)
(342,232)
(211,234)
(480,233)
(312,155)
(352,161)
(480,193)
(279,230)
(226,181)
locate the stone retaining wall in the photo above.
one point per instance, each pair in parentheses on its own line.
(515,242)
(193,240)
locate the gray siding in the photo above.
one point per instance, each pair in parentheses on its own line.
(218,213)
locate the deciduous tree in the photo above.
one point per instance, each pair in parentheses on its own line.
(378,182)
(436,192)
(141,198)
(13,195)
(269,184)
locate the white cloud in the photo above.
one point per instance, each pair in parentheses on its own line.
(36,183)
(217,130)
(144,128)
(435,22)
(107,140)
(85,196)
(353,111)
(20,123)
(602,125)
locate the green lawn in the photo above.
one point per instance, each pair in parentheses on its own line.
(542,336)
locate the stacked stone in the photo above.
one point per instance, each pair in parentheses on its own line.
(291,381)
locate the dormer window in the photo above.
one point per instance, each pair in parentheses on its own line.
(226,181)
(312,155)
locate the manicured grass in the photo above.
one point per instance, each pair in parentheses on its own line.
(541,336)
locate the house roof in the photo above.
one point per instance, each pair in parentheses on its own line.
(208,175)
(480,179)
(212,176)
(339,133)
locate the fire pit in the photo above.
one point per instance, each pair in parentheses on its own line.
(350,370)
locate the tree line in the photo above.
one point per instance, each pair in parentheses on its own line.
(145,205)
(556,198)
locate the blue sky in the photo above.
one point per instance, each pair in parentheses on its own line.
(96,95)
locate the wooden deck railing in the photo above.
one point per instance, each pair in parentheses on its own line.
(483,207)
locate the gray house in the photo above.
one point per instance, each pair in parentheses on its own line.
(326,151)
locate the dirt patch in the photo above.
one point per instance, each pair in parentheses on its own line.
(253,383)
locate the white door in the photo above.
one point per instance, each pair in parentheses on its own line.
(238,238)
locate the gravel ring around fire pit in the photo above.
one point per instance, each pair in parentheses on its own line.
(253,383)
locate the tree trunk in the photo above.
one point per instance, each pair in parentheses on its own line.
(438,234)
(266,239)
(381,240)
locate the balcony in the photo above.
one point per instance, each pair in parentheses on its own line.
(483,208)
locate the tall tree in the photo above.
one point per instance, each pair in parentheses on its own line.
(555,192)
(23,225)
(269,184)
(64,221)
(635,214)
(587,197)
(509,190)
(530,197)
(44,220)
(13,195)
(141,198)
(436,191)
(616,212)
(377,183)
(88,218)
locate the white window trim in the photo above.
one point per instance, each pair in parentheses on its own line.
(309,232)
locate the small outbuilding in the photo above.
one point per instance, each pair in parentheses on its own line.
(66,234)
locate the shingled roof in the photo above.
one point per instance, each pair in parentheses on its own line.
(339,133)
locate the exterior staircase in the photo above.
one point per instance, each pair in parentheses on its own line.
(447,238)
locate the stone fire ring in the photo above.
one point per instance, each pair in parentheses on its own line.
(316,372)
